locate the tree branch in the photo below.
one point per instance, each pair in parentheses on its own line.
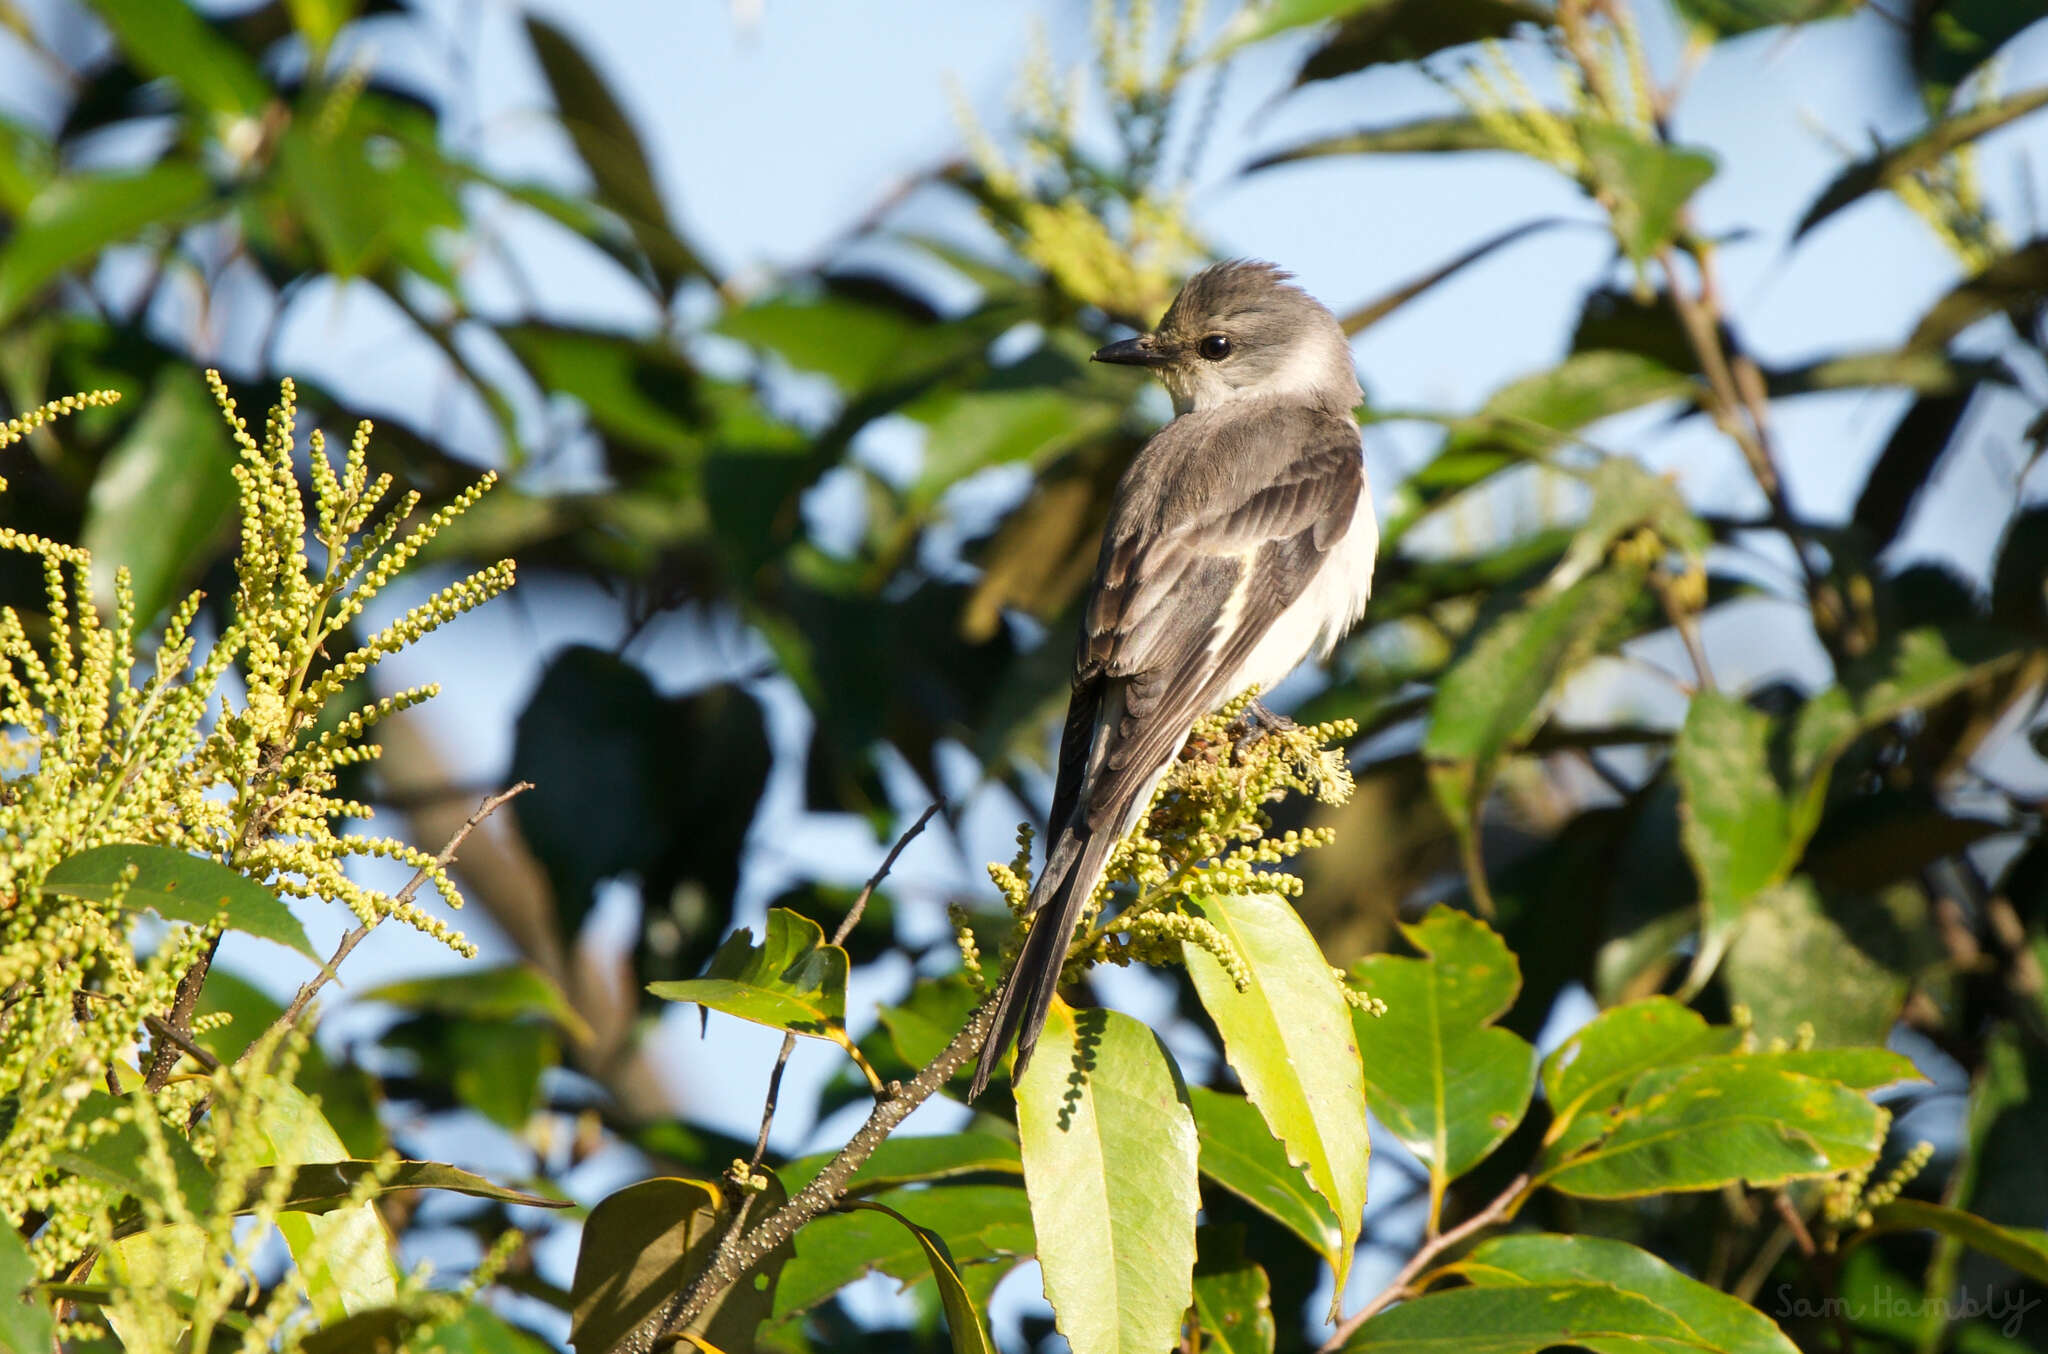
(815,1198)
(1431,1249)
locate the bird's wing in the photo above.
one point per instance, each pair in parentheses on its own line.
(1191,577)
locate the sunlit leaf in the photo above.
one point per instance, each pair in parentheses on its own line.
(1288,1036)
(1447,1082)
(1110,1165)
(1595,1067)
(344,1255)
(1708,1123)
(792,980)
(1649,183)
(179,887)
(322,1187)
(1240,1153)
(1716,1320)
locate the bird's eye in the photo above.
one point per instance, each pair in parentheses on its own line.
(1215,347)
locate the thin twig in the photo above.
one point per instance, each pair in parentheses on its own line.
(1501,1206)
(815,1198)
(839,935)
(1687,624)
(311,987)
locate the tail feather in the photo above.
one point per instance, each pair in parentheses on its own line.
(1028,992)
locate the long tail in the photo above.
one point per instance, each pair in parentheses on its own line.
(1071,875)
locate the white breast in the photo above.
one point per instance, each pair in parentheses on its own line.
(1326,609)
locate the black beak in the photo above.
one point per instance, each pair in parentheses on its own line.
(1133,352)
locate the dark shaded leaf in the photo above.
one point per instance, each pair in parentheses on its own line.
(610,149)
(2014,284)
(1924,151)
(504,993)
(644,1243)
(1362,318)
(1233,1304)
(962,1320)
(1241,1154)
(1376,32)
(2025,1249)
(179,887)
(1728,18)
(1840,965)
(1951,38)
(1422,136)
(1906,465)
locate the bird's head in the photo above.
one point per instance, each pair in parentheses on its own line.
(1241,330)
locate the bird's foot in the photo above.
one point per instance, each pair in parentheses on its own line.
(1256,724)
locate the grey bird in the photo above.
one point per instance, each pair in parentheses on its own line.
(1239,540)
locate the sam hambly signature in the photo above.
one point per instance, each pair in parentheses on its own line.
(2005,1308)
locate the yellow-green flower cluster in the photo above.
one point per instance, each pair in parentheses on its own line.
(1205,835)
(1850,1200)
(225,751)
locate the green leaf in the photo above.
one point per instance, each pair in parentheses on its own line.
(354,1271)
(163,496)
(478,1330)
(505,992)
(1730,17)
(2025,1249)
(646,1242)
(971,430)
(1740,829)
(1906,464)
(1525,1318)
(1422,136)
(1836,965)
(987,1230)
(1256,23)
(319,21)
(962,1320)
(323,1186)
(26,1325)
(1925,151)
(168,39)
(1110,1165)
(847,339)
(2010,284)
(1491,700)
(1910,671)
(1447,1082)
(1716,1320)
(1376,32)
(1527,419)
(1362,318)
(1708,1123)
(1627,497)
(179,887)
(76,217)
(1595,1067)
(610,149)
(791,981)
(1234,1308)
(1241,1154)
(1288,1036)
(901,1160)
(1951,38)
(1648,184)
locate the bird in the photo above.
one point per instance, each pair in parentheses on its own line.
(1240,539)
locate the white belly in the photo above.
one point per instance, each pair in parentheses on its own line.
(1325,611)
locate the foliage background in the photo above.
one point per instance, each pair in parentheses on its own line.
(719,291)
